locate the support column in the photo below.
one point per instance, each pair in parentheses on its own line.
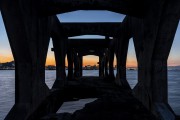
(29,37)
(103,66)
(76,65)
(111,52)
(70,63)
(111,63)
(59,43)
(80,65)
(164,40)
(106,66)
(159,30)
(121,52)
(100,66)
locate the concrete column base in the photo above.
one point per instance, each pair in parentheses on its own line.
(121,82)
(163,111)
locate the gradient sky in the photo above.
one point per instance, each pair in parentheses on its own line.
(89,16)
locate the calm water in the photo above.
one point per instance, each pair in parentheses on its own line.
(7,85)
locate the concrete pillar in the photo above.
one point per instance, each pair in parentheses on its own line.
(101,72)
(164,40)
(76,65)
(80,65)
(159,30)
(111,52)
(60,46)
(103,67)
(70,64)
(106,65)
(111,64)
(143,90)
(29,37)
(121,53)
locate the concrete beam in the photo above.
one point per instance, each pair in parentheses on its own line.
(128,7)
(75,29)
(88,43)
(90,51)
(103,28)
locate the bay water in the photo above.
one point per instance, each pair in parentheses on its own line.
(7,89)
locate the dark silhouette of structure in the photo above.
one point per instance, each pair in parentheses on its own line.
(30,24)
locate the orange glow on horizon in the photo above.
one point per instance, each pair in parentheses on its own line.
(49,62)
(90,60)
(4,59)
(93,61)
(86,61)
(131,62)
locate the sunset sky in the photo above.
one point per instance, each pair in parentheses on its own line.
(88,16)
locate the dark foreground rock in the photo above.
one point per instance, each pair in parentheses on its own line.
(60,116)
(113,103)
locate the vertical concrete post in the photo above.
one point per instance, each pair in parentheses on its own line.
(100,66)
(70,63)
(103,66)
(151,22)
(111,52)
(29,37)
(76,65)
(59,43)
(121,53)
(165,36)
(111,64)
(157,40)
(80,65)
(106,65)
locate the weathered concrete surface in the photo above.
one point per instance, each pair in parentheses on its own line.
(76,65)
(164,40)
(177,117)
(70,63)
(153,37)
(150,28)
(60,42)
(129,7)
(111,54)
(101,65)
(88,43)
(106,64)
(29,36)
(121,44)
(81,64)
(101,28)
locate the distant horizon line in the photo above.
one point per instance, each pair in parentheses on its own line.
(91,65)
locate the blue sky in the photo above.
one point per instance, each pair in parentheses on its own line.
(89,16)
